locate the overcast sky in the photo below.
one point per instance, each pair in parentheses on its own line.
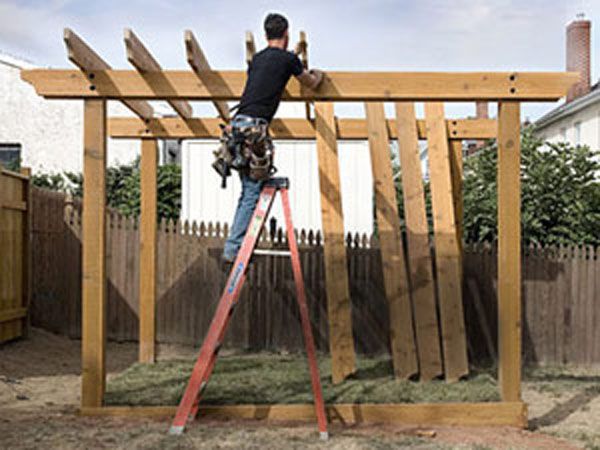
(439,35)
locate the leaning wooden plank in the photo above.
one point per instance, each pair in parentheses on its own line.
(339,306)
(456,172)
(447,249)
(347,129)
(450,414)
(199,64)
(88,60)
(509,250)
(141,58)
(417,238)
(93,334)
(336,86)
(148,242)
(302,51)
(395,277)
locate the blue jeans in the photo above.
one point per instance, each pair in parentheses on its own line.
(245,208)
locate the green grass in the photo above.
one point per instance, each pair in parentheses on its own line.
(268,378)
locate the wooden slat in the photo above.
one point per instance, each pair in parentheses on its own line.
(93,343)
(295,129)
(15,205)
(11,174)
(302,51)
(8,315)
(339,306)
(456,172)
(141,58)
(447,250)
(88,60)
(404,355)
(509,250)
(250,47)
(148,242)
(336,86)
(450,414)
(417,237)
(27,247)
(199,64)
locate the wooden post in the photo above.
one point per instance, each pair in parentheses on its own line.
(509,250)
(27,251)
(456,170)
(404,355)
(148,228)
(93,333)
(339,306)
(446,245)
(417,238)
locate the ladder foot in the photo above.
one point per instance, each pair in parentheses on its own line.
(176,431)
(324,435)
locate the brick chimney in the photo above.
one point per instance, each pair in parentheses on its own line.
(578,55)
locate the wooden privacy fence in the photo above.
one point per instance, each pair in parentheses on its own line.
(15,235)
(561,309)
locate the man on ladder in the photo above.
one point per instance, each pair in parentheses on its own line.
(247,148)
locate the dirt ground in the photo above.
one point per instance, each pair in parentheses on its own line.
(39,396)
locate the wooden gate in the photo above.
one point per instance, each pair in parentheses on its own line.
(14,253)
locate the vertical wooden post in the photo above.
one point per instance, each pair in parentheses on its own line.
(27,251)
(148,229)
(417,239)
(93,333)
(456,169)
(339,306)
(404,355)
(447,250)
(509,250)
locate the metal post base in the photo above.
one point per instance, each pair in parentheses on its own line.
(176,431)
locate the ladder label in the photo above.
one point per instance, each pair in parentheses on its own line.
(236,276)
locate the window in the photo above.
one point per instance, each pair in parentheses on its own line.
(563,134)
(10,155)
(577,126)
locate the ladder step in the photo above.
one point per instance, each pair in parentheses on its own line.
(260,251)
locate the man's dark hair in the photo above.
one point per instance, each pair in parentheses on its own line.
(275,26)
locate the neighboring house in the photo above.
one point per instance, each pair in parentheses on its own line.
(577,121)
(47,135)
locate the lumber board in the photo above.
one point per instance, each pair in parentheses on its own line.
(199,64)
(336,86)
(8,315)
(422,287)
(250,47)
(456,172)
(395,277)
(82,55)
(509,250)
(93,334)
(290,128)
(148,255)
(141,58)
(339,305)
(447,251)
(15,205)
(450,414)
(301,50)
(26,250)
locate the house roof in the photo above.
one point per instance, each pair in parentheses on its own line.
(567,109)
(15,61)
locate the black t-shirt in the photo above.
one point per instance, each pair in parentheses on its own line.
(268,73)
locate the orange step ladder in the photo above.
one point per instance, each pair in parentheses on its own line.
(188,407)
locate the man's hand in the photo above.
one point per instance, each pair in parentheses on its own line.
(311,78)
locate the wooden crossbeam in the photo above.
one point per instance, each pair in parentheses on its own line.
(82,55)
(199,65)
(296,129)
(250,47)
(139,56)
(302,51)
(336,86)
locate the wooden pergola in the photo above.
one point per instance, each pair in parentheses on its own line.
(409,285)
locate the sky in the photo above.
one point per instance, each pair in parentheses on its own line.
(387,35)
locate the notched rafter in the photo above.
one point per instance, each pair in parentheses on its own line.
(139,56)
(302,51)
(250,47)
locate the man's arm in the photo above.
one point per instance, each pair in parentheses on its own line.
(310,78)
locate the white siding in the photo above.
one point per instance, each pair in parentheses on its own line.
(565,129)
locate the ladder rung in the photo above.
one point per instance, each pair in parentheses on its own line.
(260,251)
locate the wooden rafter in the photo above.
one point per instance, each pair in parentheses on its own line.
(199,64)
(250,47)
(301,129)
(336,86)
(82,55)
(139,56)
(302,51)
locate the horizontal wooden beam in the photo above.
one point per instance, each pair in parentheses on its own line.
(141,58)
(449,414)
(15,205)
(336,86)
(82,55)
(284,129)
(9,315)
